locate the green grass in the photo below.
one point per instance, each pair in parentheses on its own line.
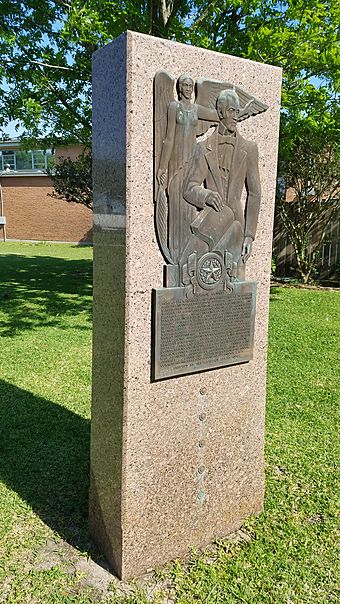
(289,554)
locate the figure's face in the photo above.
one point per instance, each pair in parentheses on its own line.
(186,88)
(229,113)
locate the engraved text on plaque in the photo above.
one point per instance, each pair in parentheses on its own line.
(205,331)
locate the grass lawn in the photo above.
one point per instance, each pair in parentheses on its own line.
(286,556)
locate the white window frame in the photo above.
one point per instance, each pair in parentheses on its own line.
(31,151)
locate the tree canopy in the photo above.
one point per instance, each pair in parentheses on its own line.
(46,48)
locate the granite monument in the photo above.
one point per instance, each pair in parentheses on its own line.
(184,150)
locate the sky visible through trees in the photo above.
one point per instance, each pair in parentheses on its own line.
(46,48)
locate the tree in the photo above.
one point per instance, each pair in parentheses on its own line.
(310,170)
(46,48)
(72,179)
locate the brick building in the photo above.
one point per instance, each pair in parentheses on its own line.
(31,213)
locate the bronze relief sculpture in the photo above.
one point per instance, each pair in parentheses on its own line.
(202,165)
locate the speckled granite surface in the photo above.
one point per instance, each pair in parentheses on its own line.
(178,462)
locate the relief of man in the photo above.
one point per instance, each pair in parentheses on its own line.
(222,165)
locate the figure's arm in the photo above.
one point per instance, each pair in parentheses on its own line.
(194,193)
(253,200)
(168,144)
(208,114)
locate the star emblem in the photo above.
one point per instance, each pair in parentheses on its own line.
(211,271)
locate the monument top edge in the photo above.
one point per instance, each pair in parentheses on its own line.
(130,35)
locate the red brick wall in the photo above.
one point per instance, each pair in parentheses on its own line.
(71,151)
(32,214)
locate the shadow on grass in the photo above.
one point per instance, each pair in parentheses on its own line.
(275,293)
(44,452)
(43,290)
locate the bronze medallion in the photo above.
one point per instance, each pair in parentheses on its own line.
(210,270)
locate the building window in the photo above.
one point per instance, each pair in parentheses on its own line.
(8,158)
(23,160)
(38,160)
(27,161)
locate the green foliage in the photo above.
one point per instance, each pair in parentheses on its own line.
(46,48)
(72,179)
(46,82)
(273,265)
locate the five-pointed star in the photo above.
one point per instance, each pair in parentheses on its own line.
(212,272)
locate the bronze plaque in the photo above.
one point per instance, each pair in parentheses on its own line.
(204,316)
(205,331)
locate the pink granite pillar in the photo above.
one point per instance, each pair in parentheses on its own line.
(177,462)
